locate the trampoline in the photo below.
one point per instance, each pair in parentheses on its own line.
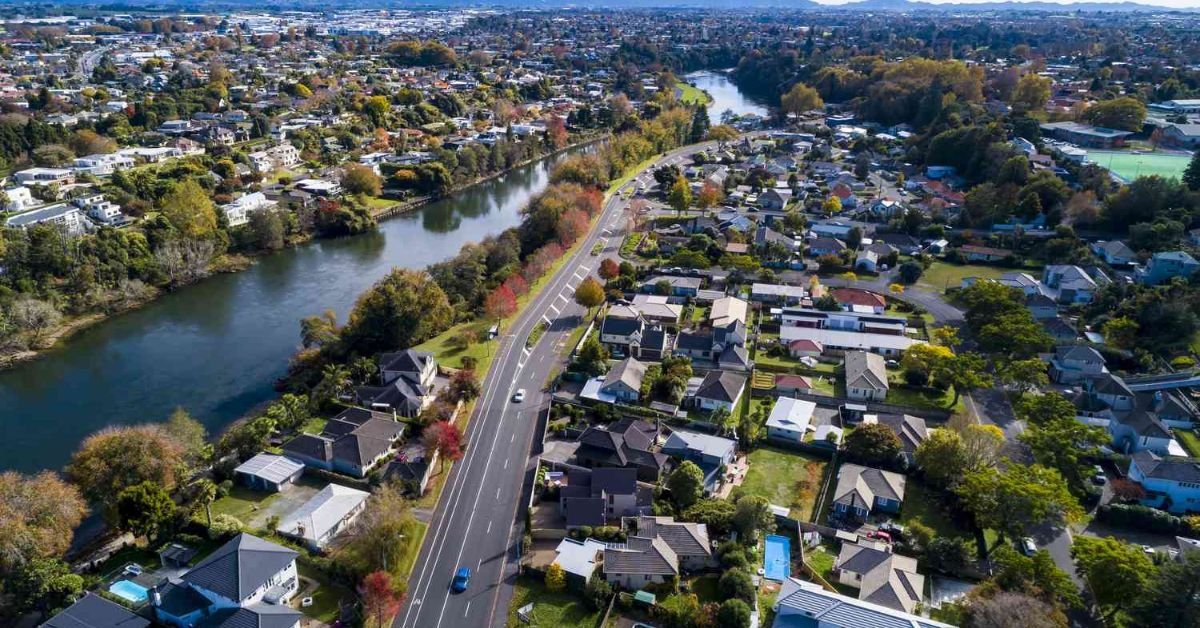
(777,558)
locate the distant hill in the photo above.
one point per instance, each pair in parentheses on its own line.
(908,6)
(1037,5)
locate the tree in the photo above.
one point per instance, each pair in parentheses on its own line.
(464,385)
(191,436)
(752,513)
(1018,498)
(910,272)
(801,98)
(1116,572)
(1121,331)
(115,458)
(403,309)
(609,269)
(709,195)
(874,445)
(1171,597)
(374,542)
(38,517)
(966,372)
(686,484)
(733,614)
(45,584)
(205,492)
(556,578)
(982,445)
(831,206)
(717,514)
(446,439)
(736,584)
(949,554)
(189,209)
(380,599)
(500,303)
(1125,113)
(143,509)
(592,357)
(1024,375)
(34,317)
(942,457)
(1031,93)
(268,228)
(1012,610)
(722,133)
(1056,439)
(1191,174)
(1035,575)
(680,195)
(589,293)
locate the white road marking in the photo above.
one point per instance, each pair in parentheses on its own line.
(489,530)
(556,310)
(498,493)
(468,609)
(505,466)
(512,437)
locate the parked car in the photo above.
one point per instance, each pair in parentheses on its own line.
(133,569)
(892,528)
(1028,547)
(461,578)
(880,535)
(1099,479)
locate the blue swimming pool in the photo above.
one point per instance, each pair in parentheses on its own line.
(777,558)
(129,590)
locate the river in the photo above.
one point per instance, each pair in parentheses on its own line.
(217,347)
(725,95)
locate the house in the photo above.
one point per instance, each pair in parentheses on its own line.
(712,343)
(269,472)
(621,329)
(776,294)
(708,452)
(790,419)
(407,377)
(244,580)
(628,443)
(1074,363)
(858,300)
(579,559)
(861,490)
(624,381)
(656,308)
(911,430)
(353,442)
(787,384)
(836,341)
(100,209)
(593,497)
(1171,484)
(18,199)
(688,540)
(1041,306)
(44,176)
(61,215)
(727,310)
(412,466)
(1071,284)
(866,376)
(976,253)
(640,561)
(1164,266)
(237,212)
(842,331)
(866,261)
(805,348)
(902,242)
(719,389)
(880,576)
(825,246)
(676,286)
(803,604)
(93,611)
(774,199)
(325,515)
(1114,252)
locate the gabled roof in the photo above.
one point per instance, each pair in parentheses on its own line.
(323,512)
(641,556)
(888,579)
(791,414)
(683,537)
(254,616)
(858,486)
(721,386)
(629,372)
(240,567)
(270,467)
(93,611)
(803,603)
(408,360)
(1171,469)
(912,430)
(865,370)
(698,443)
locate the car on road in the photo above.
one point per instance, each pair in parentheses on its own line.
(461,578)
(519,396)
(1028,547)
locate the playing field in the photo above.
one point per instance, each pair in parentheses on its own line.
(1130,165)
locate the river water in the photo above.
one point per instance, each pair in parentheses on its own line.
(217,347)
(725,95)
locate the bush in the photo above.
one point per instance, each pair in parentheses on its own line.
(1182,362)
(224,526)
(1142,518)
(736,584)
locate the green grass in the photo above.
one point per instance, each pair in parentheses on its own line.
(328,597)
(691,94)
(536,334)
(314,425)
(942,275)
(550,610)
(414,534)
(785,478)
(133,554)
(616,184)
(705,588)
(1190,442)
(820,559)
(629,246)
(241,502)
(1129,166)
(921,505)
(930,398)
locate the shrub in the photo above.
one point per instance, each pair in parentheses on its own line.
(224,525)
(1142,518)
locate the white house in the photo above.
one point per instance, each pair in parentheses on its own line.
(238,211)
(68,217)
(45,176)
(325,515)
(18,199)
(790,419)
(100,209)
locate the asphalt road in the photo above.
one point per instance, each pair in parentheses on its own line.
(480,513)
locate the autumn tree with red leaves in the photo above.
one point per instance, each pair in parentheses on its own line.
(381,599)
(573,224)
(501,302)
(446,439)
(609,268)
(517,284)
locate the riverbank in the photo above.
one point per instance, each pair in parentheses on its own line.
(234,262)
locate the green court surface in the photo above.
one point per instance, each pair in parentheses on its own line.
(1129,165)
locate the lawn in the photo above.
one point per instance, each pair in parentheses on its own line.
(1129,165)
(820,559)
(328,597)
(921,505)
(943,275)
(930,398)
(1190,442)
(414,534)
(691,94)
(241,502)
(705,588)
(550,610)
(785,478)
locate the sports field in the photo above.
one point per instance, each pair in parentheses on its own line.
(1129,165)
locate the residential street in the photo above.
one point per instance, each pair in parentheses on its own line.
(479,516)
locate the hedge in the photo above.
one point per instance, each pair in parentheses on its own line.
(1143,518)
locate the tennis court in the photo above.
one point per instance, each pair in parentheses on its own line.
(1130,165)
(777,558)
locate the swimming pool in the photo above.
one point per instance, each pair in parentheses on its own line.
(129,590)
(777,558)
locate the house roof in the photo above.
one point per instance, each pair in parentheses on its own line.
(683,537)
(579,557)
(629,372)
(270,467)
(855,296)
(911,429)
(888,579)
(584,511)
(865,370)
(93,611)
(323,512)
(356,436)
(1171,469)
(699,443)
(408,360)
(641,556)
(254,616)
(240,567)
(726,310)
(858,486)
(792,381)
(802,603)
(791,414)
(721,386)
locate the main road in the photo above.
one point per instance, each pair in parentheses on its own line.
(479,518)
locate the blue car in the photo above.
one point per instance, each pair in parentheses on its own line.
(461,578)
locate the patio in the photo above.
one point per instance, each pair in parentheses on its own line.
(735,474)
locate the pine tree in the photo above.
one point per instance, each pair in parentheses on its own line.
(1191,176)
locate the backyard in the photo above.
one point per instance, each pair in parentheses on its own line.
(943,275)
(327,597)
(820,559)
(557,610)
(253,508)
(785,478)
(921,505)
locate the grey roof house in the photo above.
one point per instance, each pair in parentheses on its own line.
(353,442)
(861,490)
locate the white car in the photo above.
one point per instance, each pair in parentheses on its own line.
(519,396)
